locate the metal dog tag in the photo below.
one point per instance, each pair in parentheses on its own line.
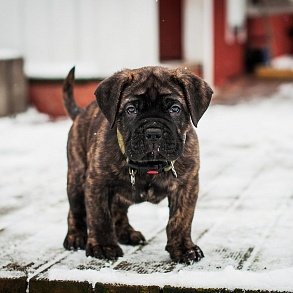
(132,176)
(173,169)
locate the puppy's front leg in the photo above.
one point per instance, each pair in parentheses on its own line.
(102,241)
(181,208)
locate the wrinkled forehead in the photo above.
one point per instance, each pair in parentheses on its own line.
(149,85)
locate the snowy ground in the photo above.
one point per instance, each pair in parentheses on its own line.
(283,62)
(243,222)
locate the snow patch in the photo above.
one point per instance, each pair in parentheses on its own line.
(283,62)
(12,274)
(228,278)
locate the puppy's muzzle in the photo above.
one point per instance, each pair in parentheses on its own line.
(153,141)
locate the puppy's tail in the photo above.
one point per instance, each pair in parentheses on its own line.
(70,105)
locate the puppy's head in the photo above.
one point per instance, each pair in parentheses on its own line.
(152,107)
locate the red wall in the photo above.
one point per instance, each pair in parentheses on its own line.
(279,26)
(228,58)
(170,29)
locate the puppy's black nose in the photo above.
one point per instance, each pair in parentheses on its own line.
(153,134)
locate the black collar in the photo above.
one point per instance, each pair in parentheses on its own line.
(151,168)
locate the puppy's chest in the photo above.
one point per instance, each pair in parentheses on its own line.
(151,189)
(148,192)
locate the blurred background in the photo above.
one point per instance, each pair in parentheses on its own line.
(240,47)
(244,219)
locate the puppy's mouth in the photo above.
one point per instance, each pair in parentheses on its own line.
(153,155)
(153,143)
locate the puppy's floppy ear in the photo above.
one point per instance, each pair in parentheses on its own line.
(197,93)
(109,92)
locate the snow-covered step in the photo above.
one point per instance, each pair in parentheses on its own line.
(243,221)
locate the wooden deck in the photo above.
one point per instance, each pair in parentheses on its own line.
(243,222)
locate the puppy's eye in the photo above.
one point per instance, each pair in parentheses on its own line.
(130,109)
(174,109)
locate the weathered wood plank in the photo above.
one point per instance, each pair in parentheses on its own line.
(243,221)
(169,289)
(119,288)
(13,285)
(46,286)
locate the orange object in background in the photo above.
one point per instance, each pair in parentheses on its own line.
(46,96)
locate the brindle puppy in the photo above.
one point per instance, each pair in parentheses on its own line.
(135,144)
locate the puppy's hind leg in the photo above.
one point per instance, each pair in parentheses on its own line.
(76,237)
(124,231)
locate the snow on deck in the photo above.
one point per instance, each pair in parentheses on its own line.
(243,221)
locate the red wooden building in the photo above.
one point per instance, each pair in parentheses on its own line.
(263,30)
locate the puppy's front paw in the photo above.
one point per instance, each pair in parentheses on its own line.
(110,252)
(185,255)
(75,241)
(131,237)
